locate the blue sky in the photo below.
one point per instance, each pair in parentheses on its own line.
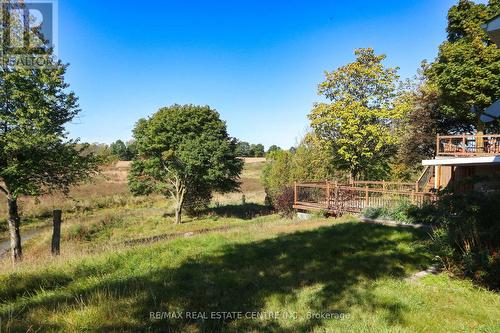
(257,62)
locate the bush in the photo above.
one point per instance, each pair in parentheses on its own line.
(308,162)
(467,238)
(283,202)
(376,212)
(467,242)
(472,232)
(404,212)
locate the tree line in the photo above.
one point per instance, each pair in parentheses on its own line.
(127,150)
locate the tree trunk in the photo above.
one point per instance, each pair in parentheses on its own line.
(15,234)
(180,191)
(178,210)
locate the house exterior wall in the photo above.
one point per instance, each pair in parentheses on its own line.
(447,176)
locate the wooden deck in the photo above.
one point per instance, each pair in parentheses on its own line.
(336,198)
(467,145)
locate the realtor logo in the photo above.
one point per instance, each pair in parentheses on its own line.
(29,32)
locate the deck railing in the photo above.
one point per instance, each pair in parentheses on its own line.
(354,197)
(468,145)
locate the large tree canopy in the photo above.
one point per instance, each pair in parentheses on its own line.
(358,125)
(184,152)
(35,156)
(467,69)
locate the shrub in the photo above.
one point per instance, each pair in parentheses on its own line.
(284,202)
(467,238)
(307,162)
(473,232)
(375,212)
(404,212)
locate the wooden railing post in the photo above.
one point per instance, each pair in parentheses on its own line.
(327,194)
(295,194)
(366,196)
(336,199)
(437,144)
(479,142)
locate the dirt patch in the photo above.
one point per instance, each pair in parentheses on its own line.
(249,160)
(123,164)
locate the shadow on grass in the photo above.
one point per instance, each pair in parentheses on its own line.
(338,262)
(245,211)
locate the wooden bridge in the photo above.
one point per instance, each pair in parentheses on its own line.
(336,198)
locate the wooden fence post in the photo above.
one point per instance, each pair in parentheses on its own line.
(366,196)
(56,234)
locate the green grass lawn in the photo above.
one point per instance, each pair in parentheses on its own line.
(291,275)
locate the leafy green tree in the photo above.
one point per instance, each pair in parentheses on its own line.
(418,130)
(184,151)
(273,148)
(311,162)
(276,173)
(242,149)
(35,155)
(131,150)
(257,150)
(119,149)
(467,69)
(359,124)
(123,151)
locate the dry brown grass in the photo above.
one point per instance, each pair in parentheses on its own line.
(110,182)
(100,215)
(251,186)
(111,185)
(250,160)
